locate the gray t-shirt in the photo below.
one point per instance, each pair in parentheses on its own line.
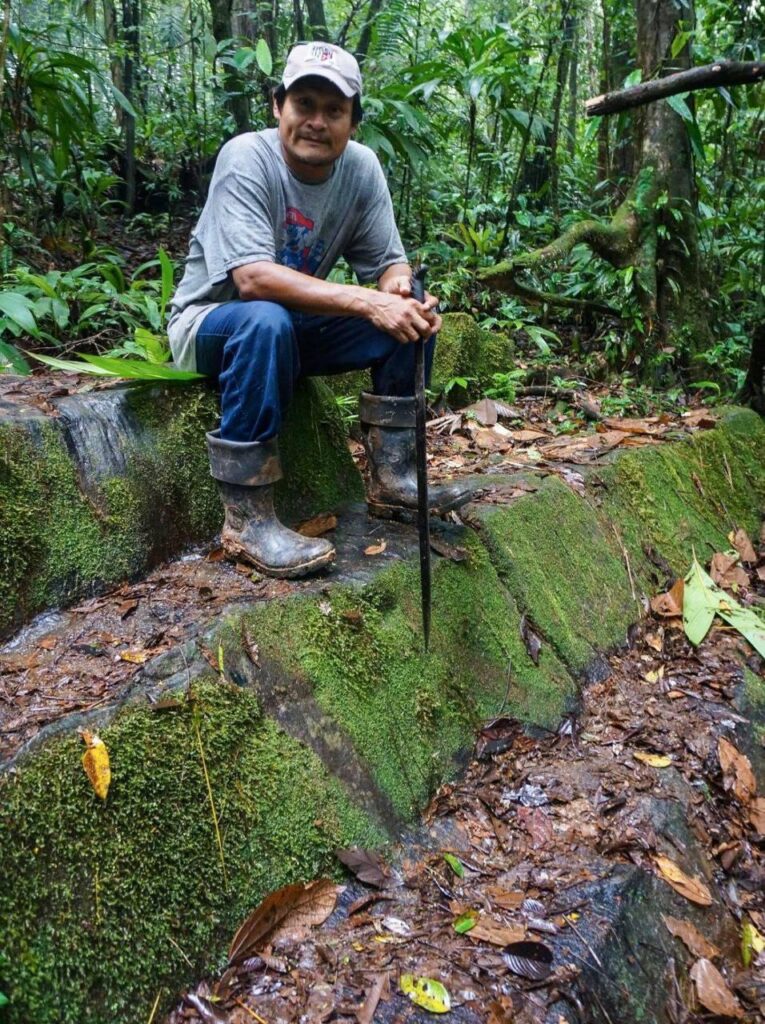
(257,210)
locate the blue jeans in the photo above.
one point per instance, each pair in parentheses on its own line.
(256,351)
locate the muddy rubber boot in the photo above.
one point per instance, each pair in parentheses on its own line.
(387,426)
(246,474)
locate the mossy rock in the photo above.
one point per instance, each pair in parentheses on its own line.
(678,498)
(64,535)
(564,570)
(463,350)
(109,898)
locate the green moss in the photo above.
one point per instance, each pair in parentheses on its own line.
(563,570)
(59,541)
(319,472)
(686,496)
(109,898)
(408,714)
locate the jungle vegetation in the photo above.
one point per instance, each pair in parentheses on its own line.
(630,243)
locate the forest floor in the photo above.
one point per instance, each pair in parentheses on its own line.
(82,658)
(491,903)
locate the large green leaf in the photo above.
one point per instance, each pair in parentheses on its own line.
(11,357)
(699,604)
(703,599)
(107,366)
(18,308)
(263,57)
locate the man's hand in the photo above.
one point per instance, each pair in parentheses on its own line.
(405,318)
(397,281)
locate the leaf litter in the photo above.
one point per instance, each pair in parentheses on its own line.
(534,823)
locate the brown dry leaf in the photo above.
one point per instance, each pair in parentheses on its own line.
(95,761)
(737,771)
(650,425)
(691,936)
(692,888)
(670,604)
(367,865)
(702,418)
(524,436)
(376,549)
(726,573)
(506,899)
(484,411)
(757,814)
(288,911)
(488,929)
(741,542)
(124,608)
(380,990)
(318,526)
(712,990)
(48,642)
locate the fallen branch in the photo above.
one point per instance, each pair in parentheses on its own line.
(724,72)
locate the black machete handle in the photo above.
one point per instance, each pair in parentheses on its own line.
(418,283)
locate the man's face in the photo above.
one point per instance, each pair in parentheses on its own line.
(314,127)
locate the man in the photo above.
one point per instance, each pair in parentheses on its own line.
(254,310)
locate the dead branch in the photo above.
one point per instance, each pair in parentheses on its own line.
(724,72)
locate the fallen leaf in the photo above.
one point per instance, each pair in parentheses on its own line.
(670,604)
(376,549)
(529,960)
(741,542)
(367,865)
(488,929)
(505,899)
(318,525)
(396,926)
(293,908)
(737,771)
(95,761)
(366,1012)
(712,990)
(692,888)
(691,936)
(48,642)
(752,942)
(524,436)
(725,571)
(450,551)
(655,760)
(426,992)
(655,675)
(530,639)
(757,814)
(455,864)
(484,411)
(466,921)
(134,657)
(124,608)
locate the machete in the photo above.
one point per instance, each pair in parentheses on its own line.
(423,511)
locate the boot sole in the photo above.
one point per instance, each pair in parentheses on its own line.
(288,573)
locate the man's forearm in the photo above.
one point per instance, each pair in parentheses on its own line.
(274,283)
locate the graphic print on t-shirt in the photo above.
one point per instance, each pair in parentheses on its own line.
(302,251)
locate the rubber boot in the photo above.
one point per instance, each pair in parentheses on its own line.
(387,426)
(246,473)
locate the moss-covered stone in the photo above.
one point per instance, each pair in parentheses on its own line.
(686,496)
(62,537)
(564,571)
(109,899)
(463,350)
(407,713)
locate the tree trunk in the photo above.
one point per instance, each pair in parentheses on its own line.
(362,47)
(573,96)
(236,101)
(130,29)
(317,19)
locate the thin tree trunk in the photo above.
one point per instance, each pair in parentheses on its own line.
(573,94)
(317,19)
(130,30)
(298,25)
(604,156)
(236,99)
(362,47)
(567,28)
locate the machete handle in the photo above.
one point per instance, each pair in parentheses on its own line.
(418,283)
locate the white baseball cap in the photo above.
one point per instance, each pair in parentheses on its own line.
(327,61)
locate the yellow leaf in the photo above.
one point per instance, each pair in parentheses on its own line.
(136,657)
(427,993)
(376,549)
(692,888)
(654,676)
(752,942)
(655,760)
(95,761)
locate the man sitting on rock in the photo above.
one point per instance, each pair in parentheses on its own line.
(255,312)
